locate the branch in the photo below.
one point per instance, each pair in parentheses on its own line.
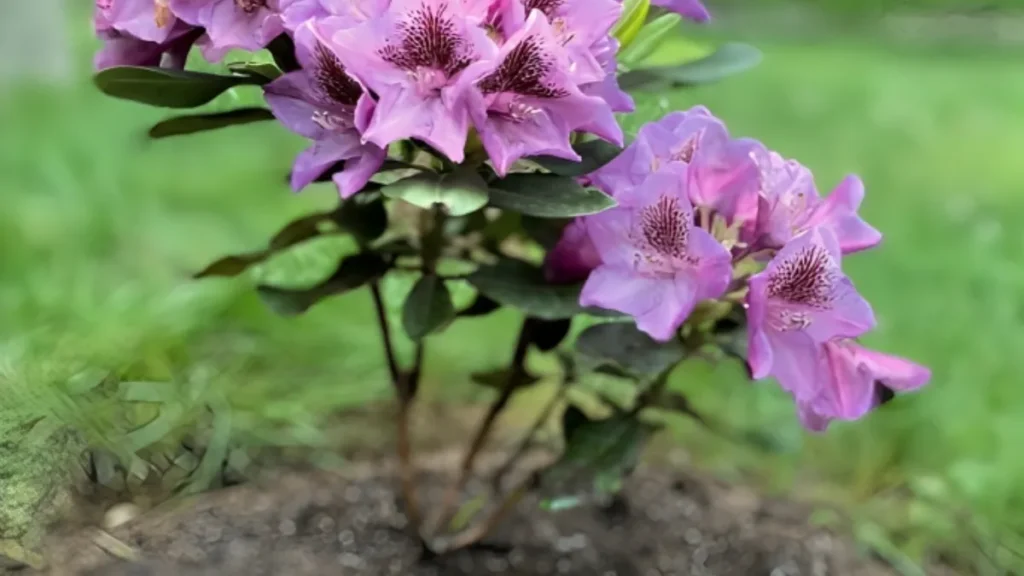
(405,388)
(515,373)
(529,438)
(480,531)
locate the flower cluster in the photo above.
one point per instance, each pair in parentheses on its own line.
(523,75)
(698,213)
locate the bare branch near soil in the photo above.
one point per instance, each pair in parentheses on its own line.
(515,373)
(529,438)
(476,533)
(405,389)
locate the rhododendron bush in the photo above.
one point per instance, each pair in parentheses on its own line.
(483,135)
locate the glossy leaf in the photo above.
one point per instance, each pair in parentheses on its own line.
(364,216)
(598,455)
(521,285)
(649,39)
(481,306)
(547,196)
(728,60)
(544,231)
(166,87)
(293,233)
(282,49)
(499,379)
(634,14)
(193,123)
(428,307)
(353,272)
(461,192)
(624,346)
(261,71)
(593,153)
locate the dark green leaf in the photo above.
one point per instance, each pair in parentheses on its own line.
(499,379)
(353,272)
(282,49)
(481,306)
(728,60)
(363,216)
(461,192)
(598,455)
(546,335)
(521,285)
(295,232)
(181,125)
(547,196)
(621,344)
(544,231)
(262,71)
(649,39)
(593,153)
(166,87)
(428,307)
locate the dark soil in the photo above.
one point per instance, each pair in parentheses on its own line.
(298,523)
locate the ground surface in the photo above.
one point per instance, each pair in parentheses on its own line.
(296,523)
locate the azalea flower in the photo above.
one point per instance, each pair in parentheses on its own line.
(294,13)
(231,24)
(798,303)
(141,33)
(655,263)
(412,57)
(524,103)
(323,103)
(573,257)
(853,375)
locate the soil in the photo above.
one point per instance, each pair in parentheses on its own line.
(309,522)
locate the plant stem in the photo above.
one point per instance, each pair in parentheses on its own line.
(528,438)
(405,389)
(480,531)
(450,500)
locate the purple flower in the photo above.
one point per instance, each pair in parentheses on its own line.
(799,302)
(691,9)
(655,264)
(231,24)
(141,33)
(790,204)
(323,103)
(608,88)
(577,24)
(724,172)
(294,13)
(852,376)
(146,20)
(412,57)
(573,257)
(523,102)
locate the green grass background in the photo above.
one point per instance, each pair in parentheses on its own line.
(100,229)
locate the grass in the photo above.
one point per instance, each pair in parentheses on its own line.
(100,230)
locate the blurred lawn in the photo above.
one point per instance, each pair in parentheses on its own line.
(100,229)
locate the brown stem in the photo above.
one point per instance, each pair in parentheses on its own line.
(480,531)
(528,438)
(405,387)
(451,497)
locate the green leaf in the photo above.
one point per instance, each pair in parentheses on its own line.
(428,308)
(293,233)
(282,49)
(623,345)
(364,216)
(500,379)
(634,14)
(598,454)
(216,450)
(262,71)
(544,231)
(181,125)
(593,153)
(460,192)
(166,87)
(546,335)
(728,60)
(158,392)
(156,429)
(521,285)
(481,306)
(547,196)
(649,39)
(353,272)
